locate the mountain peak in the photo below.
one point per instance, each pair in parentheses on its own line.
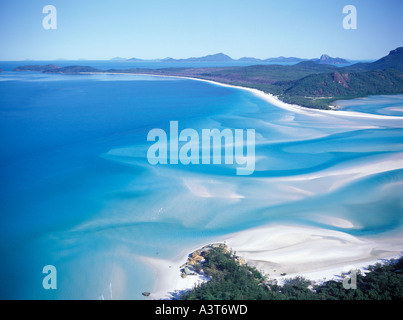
(393,60)
(396,51)
(326,59)
(216,57)
(220,54)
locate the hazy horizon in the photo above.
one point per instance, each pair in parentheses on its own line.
(160,59)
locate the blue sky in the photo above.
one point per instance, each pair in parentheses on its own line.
(97,29)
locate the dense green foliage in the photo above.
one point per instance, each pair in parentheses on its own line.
(72,70)
(268,73)
(36,68)
(321,89)
(231,280)
(225,272)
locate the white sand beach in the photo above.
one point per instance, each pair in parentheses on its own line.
(314,253)
(169,280)
(274,100)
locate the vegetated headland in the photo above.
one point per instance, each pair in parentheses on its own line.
(233,279)
(312,84)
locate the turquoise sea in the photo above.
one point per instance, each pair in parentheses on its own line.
(77,191)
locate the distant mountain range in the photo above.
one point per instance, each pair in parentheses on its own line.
(221,57)
(312,83)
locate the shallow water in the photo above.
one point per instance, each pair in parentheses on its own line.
(78,192)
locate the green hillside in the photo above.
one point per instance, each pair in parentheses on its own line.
(319,90)
(394,60)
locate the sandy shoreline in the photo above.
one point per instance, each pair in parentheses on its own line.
(314,253)
(169,281)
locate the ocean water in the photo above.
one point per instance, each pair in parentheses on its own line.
(77,191)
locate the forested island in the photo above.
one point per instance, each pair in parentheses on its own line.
(233,279)
(311,84)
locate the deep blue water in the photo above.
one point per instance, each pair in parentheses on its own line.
(77,191)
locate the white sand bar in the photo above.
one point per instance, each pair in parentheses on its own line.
(312,252)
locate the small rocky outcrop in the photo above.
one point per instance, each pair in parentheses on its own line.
(341,78)
(195,260)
